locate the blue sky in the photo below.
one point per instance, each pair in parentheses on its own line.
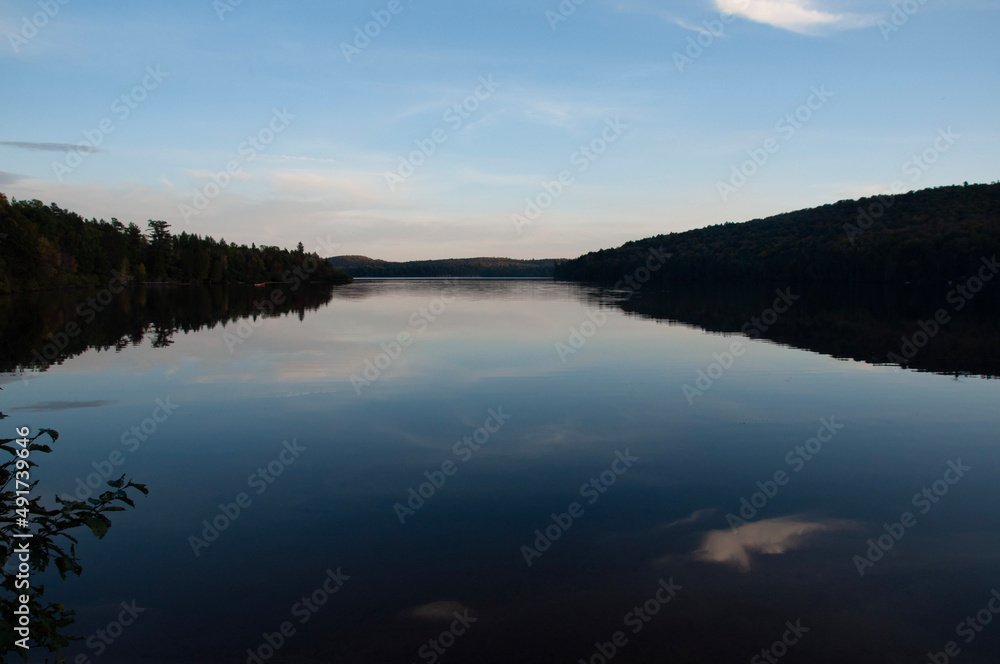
(667,119)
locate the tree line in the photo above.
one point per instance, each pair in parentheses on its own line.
(47,247)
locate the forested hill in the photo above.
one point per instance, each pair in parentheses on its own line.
(362,266)
(44,247)
(924,237)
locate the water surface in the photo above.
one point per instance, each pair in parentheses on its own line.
(588,387)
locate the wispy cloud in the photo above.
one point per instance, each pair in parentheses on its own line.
(801,16)
(648,8)
(49,147)
(9,178)
(497,180)
(206,174)
(688,26)
(53,406)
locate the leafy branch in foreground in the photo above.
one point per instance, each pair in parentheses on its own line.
(50,543)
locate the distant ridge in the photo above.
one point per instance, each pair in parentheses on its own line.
(928,237)
(363,266)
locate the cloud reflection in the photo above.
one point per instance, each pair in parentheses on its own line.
(772,536)
(436,611)
(694,517)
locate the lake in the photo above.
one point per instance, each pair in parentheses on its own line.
(531,471)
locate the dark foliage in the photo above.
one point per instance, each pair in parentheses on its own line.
(864,323)
(38,330)
(925,237)
(51,541)
(46,247)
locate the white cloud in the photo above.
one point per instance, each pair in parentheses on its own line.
(802,16)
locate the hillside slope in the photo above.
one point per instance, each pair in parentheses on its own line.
(362,266)
(928,237)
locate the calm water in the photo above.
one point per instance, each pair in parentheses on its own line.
(327,464)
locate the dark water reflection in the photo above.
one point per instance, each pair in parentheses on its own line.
(869,324)
(44,328)
(477,346)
